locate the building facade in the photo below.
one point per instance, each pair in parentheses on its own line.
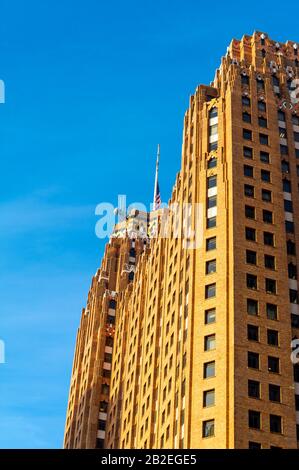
(202,338)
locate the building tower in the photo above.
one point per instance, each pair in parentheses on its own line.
(202,342)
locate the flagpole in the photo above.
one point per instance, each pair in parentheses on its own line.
(156,177)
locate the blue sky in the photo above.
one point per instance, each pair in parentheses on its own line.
(91,88)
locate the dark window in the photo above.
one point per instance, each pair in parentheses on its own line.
(248,190)
(272,337)
(281,116)
(112,304)
(253,360)
(212,181)
(262,122)
(250,257)
(292,271)
(250,212)
(264,139)
(213,112)
(286,186)
(102,425)
(211,244)
(264,157)
(270,285)
(252,332)
(252,307)
(296,372)
(273,364)
(260,84)
(275,424)
(244,79)
(293,296)
(295,120)
(100,443)
(209,369)
(295,320)
(269,262)
(261,106)
(254,419)
(248,171)
(247,134)
(285,167)
(210,290)
(269,238)
(212,163)
(213,146)
(266,176)
(267,216)
(282,132)
(266,195)
(246,117)
(254,445)
(274,393)
(275,80)
(271,310)
(253,389)
(211,222)
(211,266)
(290,228)
(245,101)
(296,136)
(291,248)
(103,406)
(251,281)
(297,402)
(250,234)
(212,201)
(210,316)
(288,206)
(208,428)
(248,152)
(284,150)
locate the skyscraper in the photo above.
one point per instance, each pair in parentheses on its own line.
(202,338)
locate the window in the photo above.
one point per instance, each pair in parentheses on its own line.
(248,171)
(252,307)
(274,393)
(262,121)
(211,222)
(213,112)
(102,425)
(253,360)
(282,132)
(272,336)
(275,80)
(297,402)
(254,419)
(292,271)
(250,212)
(295,321)
(244,79)
(291,248)
(211,266)
(208,428)
(271,310)
(290,228)
(264,157)
(245,101)
(293,296)
(260,84)
(296,373)
(210,316)
(254,445)
(270,286)
(209,369)
(246,117)
(248,152)
(295,120)
(288,206)
(269,238)
(296,136)
(213,146)
(275,424)
(210,291)
(250,234)
(212,181)
(273,364)
(267,217)
(262,106)
(286,186)
(252,333)
(266,176)
(284,150)
(266,195)
(269,262)
(264,139)
(281,116)
(251,281)
(253,389)
(209,342)
(211,244)
(247,134)
(285,167)
(212,163)
(250,257)
(209,398)
(212,202)
(248,190)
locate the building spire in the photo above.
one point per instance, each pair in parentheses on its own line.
(157,196)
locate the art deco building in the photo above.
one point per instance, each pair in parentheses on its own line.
(193,348)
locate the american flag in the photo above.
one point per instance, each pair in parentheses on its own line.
(157,201)
(157,195)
